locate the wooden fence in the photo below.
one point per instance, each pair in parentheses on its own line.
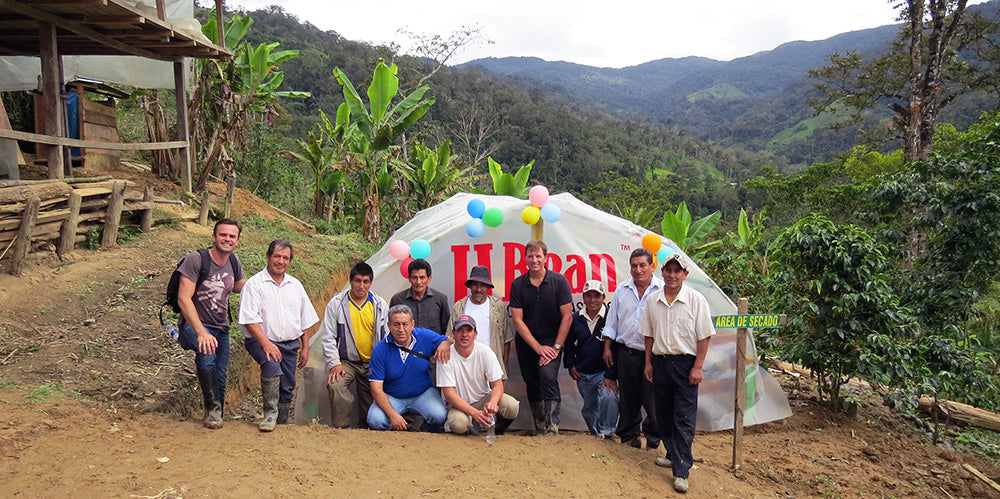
(38,213)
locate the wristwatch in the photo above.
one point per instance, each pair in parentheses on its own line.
(557,346)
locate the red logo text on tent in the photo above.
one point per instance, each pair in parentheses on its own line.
(576,266)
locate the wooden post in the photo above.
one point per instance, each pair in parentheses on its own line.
(110,237)
(218,23)
(52,109)
(742,334)
(205,205)
(538,230)
(146,219)
(67,237)
(230,190)
(184,153)
(22,245)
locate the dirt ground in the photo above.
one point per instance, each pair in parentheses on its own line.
(95,398)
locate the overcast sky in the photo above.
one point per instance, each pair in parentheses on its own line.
(605,34)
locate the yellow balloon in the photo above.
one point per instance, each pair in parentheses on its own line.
(531,215)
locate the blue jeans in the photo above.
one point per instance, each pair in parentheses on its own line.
(600,407)
(427,404)
(218,361)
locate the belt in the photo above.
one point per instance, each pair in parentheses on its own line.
(633,351)
(683,356)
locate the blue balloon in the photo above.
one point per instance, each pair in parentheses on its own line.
(663,253)
(420,249)
(475,227)
(551,213)
(476,208)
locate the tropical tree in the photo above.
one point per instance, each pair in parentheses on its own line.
(505,184)
(687,234)
(922,73)
(230,93)
(832,282)
(380,126)
(434,174)
(319,158)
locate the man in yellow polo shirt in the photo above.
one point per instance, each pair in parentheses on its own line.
(355,320)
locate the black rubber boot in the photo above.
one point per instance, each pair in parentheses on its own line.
(213,406)
(269,392)
(502,425)
(283,408)
(538,417)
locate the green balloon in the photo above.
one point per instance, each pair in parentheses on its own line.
(493,217)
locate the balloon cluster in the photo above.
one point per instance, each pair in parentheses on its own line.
(408,253)
(654,244)
(481,218)
(540,207)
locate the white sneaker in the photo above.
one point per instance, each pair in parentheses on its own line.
(663,462)
(680,484)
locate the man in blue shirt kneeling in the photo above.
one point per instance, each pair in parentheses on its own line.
(400,376)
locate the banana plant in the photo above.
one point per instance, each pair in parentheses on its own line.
(505,184)
(434,174)
(678,227)
(319,158)
(380,126)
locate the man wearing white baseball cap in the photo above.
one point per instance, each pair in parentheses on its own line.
(677,326)
(597,382)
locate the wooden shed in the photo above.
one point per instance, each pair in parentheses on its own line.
(50,29)
(90,115)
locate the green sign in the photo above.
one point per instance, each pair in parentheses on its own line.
(756,321)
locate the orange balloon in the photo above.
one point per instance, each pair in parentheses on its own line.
(652,242)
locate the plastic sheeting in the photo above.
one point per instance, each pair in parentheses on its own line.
(585,243)
(23,73)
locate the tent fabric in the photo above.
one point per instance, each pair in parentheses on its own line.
(585,243)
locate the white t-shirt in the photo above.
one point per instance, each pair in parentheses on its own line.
(481,313)
(471,376)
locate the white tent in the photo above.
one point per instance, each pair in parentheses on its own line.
(585,243)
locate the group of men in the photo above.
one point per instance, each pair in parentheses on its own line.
(644,351)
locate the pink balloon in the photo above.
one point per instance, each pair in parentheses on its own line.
(399,249)
(538,195)
(404,267)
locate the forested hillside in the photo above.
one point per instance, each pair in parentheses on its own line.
(573,145)
(748,101)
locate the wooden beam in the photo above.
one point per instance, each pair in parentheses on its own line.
(180,97)
(979,474)
(79,29)
(123,19)
(90,144)
(51,101)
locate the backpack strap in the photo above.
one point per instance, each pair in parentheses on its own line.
(206,267)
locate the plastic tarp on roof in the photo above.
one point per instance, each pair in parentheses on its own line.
(23,72)
(585,243)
